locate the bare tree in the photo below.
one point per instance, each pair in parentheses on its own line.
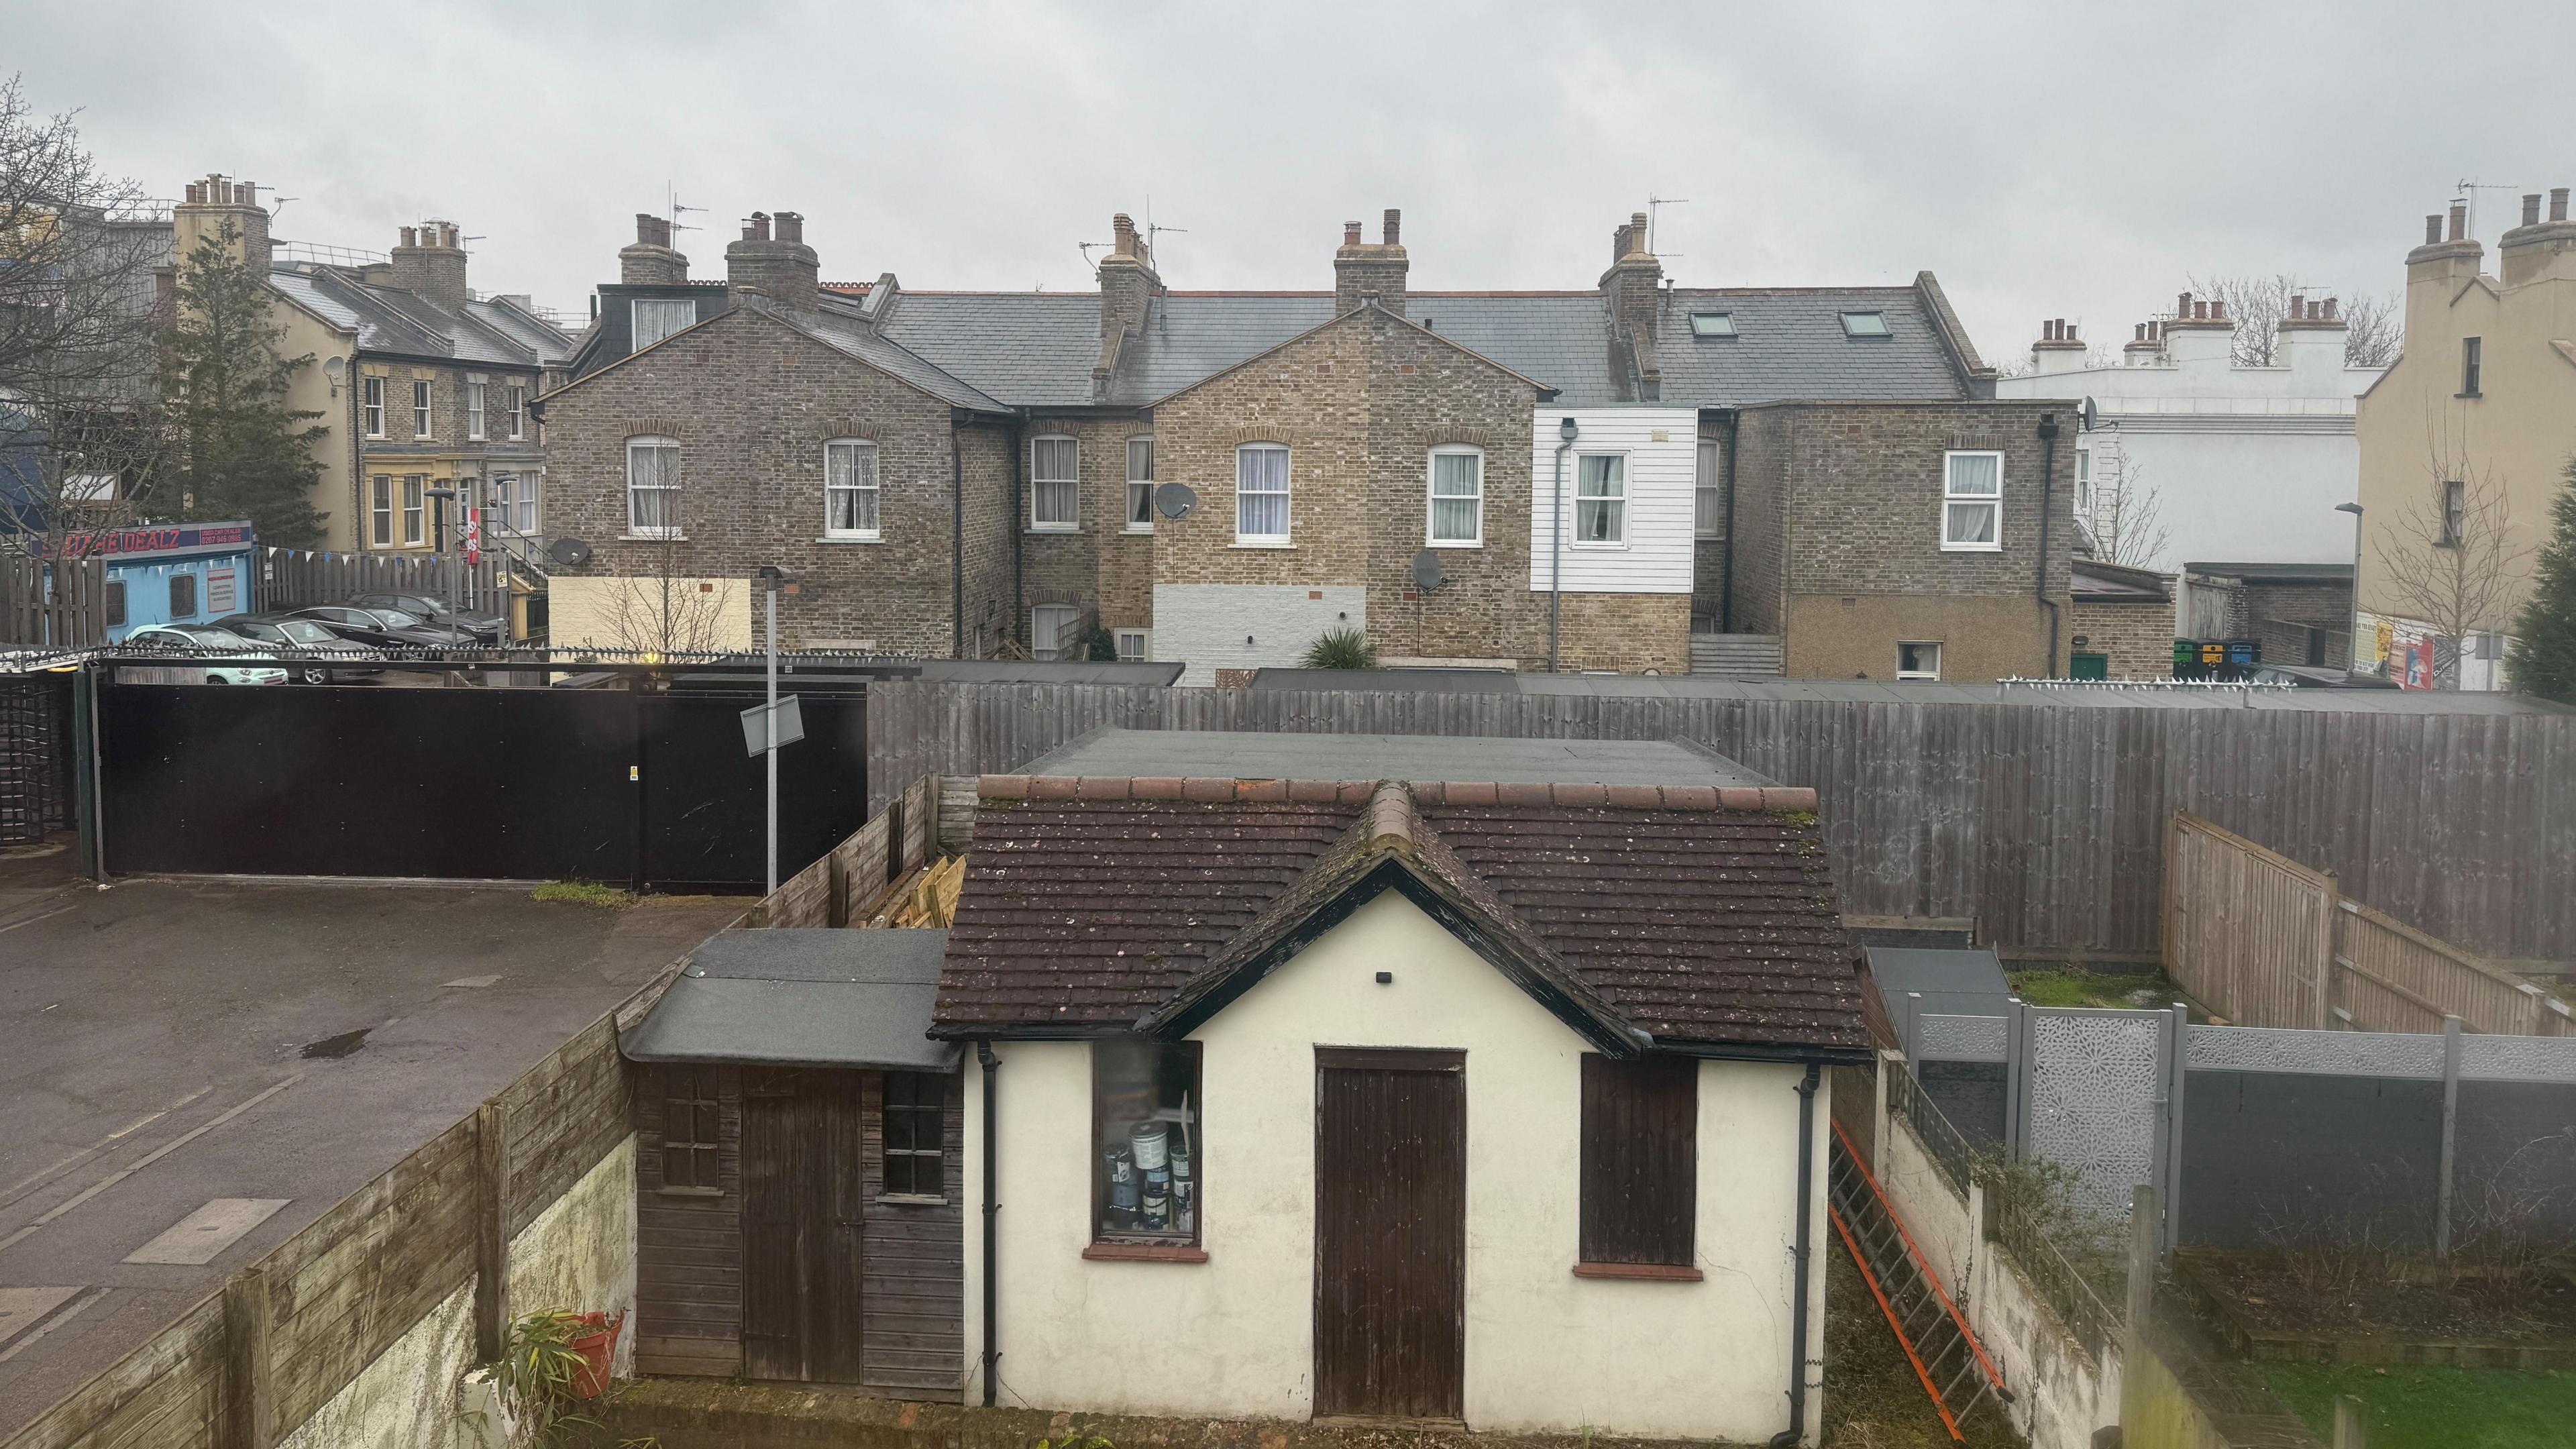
(2449,557)
(2373,323)
(80,436)
(2128,526)
(668,610)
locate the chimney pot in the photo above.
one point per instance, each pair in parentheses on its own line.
(1350,233)
(410,236)
(2330,309)
(2218,309)
(755,227)
(791,226)
(1393,226)
(2432,229)
(1122,231)
(2531,208)
(2459,220)
(2558,203)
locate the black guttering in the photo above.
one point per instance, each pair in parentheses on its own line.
(2047,501)
(956,540)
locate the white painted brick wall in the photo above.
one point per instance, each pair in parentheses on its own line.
(1206,625)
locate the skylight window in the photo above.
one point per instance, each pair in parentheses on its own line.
(1864,324)
(1713,324)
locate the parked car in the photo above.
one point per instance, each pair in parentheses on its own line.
(318,655)
(201,640)
(486,628)
(384,628)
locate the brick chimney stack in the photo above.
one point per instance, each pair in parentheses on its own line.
(779,265)
(430,263)
(210,204)
(650,261)
(1633,289)
(2539,250)
(1128,287)
(1361,271)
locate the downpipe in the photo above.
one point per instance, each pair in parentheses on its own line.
(1802,1255)
(1556,540)
(992,1066)
(2047,500)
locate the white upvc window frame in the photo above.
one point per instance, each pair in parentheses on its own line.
(1067,615)
(1286,493)
(372,409)
(1708,518)
(474,414)
(1918,672)
(1952,501)
(1140,640)
(1574,522)
(1433,497)
(1069,486)
(518,413)
(424,419)
(1140,487)
(867,500)
(656,443)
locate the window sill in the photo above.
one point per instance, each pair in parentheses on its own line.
(1640,1272)
(912,1199)
(1453,543)
(1144,1253)
(1138,530)
(1972,548)
(1055,528)
(652,538)
(2468,396)
(703,1193)
(1281,547)
(1581,547)
(851,538)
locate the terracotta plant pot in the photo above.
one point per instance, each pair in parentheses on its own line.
(598,1349)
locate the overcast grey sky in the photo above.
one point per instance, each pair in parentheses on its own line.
(2044,160)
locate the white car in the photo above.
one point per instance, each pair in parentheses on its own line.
(204,639)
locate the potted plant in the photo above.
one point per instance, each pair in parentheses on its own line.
(552,1362)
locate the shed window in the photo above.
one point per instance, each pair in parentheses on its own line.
(1145,1142)
(1712,324)
(1864,324)
(690,1127)
(1640,1167)
(915,1108)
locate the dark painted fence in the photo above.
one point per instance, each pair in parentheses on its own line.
(526,784)
(2045,821)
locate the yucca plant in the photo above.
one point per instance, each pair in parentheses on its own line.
(1342,649)
(539,1374)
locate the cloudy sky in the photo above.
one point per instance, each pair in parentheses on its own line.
(2044,160)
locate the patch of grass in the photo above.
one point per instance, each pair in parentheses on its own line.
(2418,1406)
(2072,986)
(585,893)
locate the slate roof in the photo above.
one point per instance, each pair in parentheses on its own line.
(842,329)
(406,324)
(1698,916)
(1789,345)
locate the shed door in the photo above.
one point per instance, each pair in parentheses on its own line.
(800,1226)
(1390,1232)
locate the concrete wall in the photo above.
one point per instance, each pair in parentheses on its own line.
(628,613)
(578,1254)
(2062,1392)
(1247,626)
(1234,1335)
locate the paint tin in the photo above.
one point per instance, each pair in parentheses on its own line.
(1122,1182)
(1185,1204)
(1157,1210)
(1180,1159)
(1150,1139)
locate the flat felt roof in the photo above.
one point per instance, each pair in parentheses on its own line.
(1245,755)
(813,998)
(1967,982)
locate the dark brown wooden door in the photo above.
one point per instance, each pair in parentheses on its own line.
(1390,1233)
(800,1226)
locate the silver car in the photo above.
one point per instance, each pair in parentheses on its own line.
(202,639)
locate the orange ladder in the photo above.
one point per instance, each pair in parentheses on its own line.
(1953,1366)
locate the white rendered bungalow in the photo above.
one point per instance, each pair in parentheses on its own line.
(1493,1103)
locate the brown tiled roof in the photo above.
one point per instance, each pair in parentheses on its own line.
(1696,915)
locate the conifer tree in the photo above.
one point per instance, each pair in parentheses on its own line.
(241,451)
(2544,648)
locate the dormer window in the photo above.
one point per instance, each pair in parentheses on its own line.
(1864,324)
(1712,324)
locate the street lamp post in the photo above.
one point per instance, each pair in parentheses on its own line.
(772,579)
(2352,641)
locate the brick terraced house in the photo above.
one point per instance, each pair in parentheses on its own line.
(1531,480)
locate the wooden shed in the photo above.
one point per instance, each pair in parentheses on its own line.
(799,1142)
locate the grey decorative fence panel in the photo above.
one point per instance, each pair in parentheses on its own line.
(2045,821)
(2090,1092)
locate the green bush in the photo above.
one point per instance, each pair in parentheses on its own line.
(1342,649)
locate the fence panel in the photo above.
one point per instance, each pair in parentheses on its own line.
(2247,932)
(2047,821)
(294,578)
(53,605)
(2397,978)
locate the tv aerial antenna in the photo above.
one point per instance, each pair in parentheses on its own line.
(2469,188)
(1654,215)
(671,196)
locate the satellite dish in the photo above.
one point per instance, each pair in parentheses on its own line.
(1426,569)
(570,552)
(335,368)
(2088,415)
(1175,500)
